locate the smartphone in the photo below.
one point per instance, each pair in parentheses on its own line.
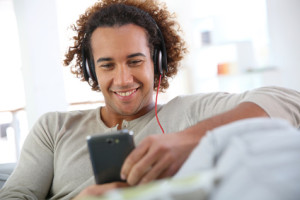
(107,154)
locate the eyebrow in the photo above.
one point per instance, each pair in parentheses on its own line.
(136,54)
(104,59)
(129,56)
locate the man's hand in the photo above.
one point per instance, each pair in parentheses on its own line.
(97,190)
(158,156)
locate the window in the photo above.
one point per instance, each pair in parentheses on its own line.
(12,114)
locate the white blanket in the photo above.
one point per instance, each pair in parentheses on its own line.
(253,159)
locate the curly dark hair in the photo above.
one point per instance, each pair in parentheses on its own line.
(109,13)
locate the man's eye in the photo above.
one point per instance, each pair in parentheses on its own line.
(109,65)
(135,62)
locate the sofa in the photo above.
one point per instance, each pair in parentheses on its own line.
(5,171)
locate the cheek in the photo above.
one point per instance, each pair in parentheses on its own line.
(101,81)
(149,73)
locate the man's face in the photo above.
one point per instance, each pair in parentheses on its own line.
(124,69)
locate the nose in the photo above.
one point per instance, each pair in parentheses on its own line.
(123,76)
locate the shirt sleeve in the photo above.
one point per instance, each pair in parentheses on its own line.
(33,175)
(278,102)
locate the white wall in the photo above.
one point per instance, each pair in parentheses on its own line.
(41,60)
(277,41)
(41,64)
(284,33)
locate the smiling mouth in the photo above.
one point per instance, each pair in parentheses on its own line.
(127,93)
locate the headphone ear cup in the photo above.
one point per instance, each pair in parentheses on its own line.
(155,61)
(88,68)
(159,63)
(85,70)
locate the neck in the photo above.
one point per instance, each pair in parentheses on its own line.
(111,119)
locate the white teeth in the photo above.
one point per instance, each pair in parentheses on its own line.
(125,94)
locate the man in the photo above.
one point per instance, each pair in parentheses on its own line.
(121,49)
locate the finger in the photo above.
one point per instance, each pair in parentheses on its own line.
(164,164)
(100,189)
(144,165)
(97,190)
(171,171)
(137,172)
(133,158)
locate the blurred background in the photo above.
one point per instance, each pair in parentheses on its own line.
(234,45)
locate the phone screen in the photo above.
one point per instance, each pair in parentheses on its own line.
(108,153)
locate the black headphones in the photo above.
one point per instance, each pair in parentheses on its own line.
(159,58)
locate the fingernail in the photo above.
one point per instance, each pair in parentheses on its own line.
(142,181)
(123,177)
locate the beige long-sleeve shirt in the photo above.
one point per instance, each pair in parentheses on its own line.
(55,164)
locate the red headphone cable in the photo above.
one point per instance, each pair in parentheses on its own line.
(156,106)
